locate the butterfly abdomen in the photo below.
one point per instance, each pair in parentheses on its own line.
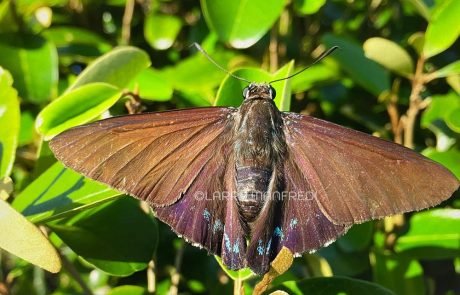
(252,184)
(258,147)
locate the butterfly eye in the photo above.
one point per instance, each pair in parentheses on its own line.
(245,91)
(272,92)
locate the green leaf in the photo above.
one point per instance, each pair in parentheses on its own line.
(398,273)
(454,82)
(242,274)
(421,8)
(197,73)
(33,63)
(317,74)
(332,285)
(448,159)
(443,28)
(358,238)
(21,238)
(230,92)
(76,41)
(345,263)
(365,72)
(9,116)
(453,120)
(76,107)
(449,70)
(117,237)
(58,192)
(240,22)
(161,31)
(433,233)
(27,128)
(417,41)
(390,55)
(306,7)
(152,85)
(128,290)
(118,68)
(438,106)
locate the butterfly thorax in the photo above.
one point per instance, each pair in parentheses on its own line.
(259,147)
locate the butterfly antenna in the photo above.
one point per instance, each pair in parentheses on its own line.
(197,46)
(323,55)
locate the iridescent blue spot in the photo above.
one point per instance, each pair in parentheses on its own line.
(278,233)
(293,223)
(228,245)
(268,246)
(218,226)
(206,214)
(236,247)
(260,248)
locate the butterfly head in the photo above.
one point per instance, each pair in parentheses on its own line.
(259,91)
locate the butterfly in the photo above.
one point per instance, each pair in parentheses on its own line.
(244,182)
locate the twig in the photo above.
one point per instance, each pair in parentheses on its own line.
(127,18)
(415,103)
(273,49)
(151,279)
(75,274)
(175,274)
(238,286)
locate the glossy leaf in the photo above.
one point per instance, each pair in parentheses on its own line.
(454,82)
(317,74)
(449,70)
(118,68)
(436,111)
(161,31)
(332,285)
(390,55)
(76,41)
(241,23)
(23,239)
(397,273)
(128,290)
(33,63)
(417,41)
(368,74)
(75,108)
(358,238)
(6,187)
(432,229)
(345,263)
(152,85)
(421,7)
(443,28)
(9,117)
(117,237)
(242,274)
(230,92)
(306,7)
(453,120)
(448,159)
(59,192)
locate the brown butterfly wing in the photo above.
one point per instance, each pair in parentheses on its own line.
(154,157)
(357,177)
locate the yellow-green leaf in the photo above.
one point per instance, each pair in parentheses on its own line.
(23,239)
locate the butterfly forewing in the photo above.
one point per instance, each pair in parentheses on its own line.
(357,177)
(154,157)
